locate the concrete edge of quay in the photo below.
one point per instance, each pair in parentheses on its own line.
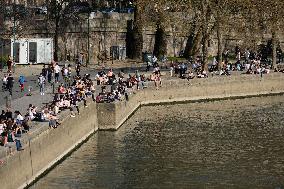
(45,148)
(189,100)
(57,161)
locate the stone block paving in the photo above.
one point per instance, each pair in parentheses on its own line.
(22,104)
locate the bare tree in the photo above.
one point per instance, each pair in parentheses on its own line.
(60,15)
(138,29)
(263,17)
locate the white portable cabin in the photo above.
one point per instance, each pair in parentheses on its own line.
(32,50)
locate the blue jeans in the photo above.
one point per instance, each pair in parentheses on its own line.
(41,88)
(18,144)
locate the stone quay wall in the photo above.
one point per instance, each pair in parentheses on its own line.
(112,116)
(45,147)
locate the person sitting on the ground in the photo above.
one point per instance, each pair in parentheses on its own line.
(190,75)
(202,74)
(3,115)
(18,117)
(9,114)
(61,89)
(249,71)
(110,73)
(2,126)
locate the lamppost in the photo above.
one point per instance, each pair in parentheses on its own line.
(174,38)
(14,30)
(88,58)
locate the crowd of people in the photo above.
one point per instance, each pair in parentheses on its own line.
(12,126)
(122,85)
(246,62)
(68,96)
(108,87)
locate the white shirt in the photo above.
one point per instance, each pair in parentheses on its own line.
(1,128)
(20,117)
(65,71)
(41,80)
(57,69)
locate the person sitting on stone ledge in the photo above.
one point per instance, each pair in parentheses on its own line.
(190,75)
(18,117)
(202,74)
(53,121)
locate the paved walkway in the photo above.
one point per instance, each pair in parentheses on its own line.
(20,101)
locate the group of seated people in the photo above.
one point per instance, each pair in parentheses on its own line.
(69,97)
(255,67)
(120,85)
(194,69)
(12,126)
(279,70)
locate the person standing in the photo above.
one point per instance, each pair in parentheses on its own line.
(22,81)
(41,83)
(49,74)
(57,70)
(81,58)
(44,71)
(172,68)
(4,83)
(238,57)
(9,64)
(247,55)
(78,69)
(65,75)
(10,83)
(69,71)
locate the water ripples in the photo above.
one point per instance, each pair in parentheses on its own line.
(220,144)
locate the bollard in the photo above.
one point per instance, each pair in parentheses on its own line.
(8,101)
(53,87)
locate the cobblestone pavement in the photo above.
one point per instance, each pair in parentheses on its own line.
(20,100)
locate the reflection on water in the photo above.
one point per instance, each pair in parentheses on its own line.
(224,144)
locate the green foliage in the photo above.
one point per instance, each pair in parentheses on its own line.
(3,60)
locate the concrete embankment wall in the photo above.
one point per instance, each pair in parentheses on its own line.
(182,90)
(44,147)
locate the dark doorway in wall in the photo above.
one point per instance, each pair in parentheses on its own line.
(129,39)
(16,52)
(32,52)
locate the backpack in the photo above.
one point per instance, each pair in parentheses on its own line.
(10,137)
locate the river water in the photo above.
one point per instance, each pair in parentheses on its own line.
(220,144)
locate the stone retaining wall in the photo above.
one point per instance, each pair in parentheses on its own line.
(43,147)
(182,90)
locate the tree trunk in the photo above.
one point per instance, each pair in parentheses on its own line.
(129,39)
(220,48)
(137,34)
(160,47)
(205,52)
(56,36)
(193,44)
(274,53)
